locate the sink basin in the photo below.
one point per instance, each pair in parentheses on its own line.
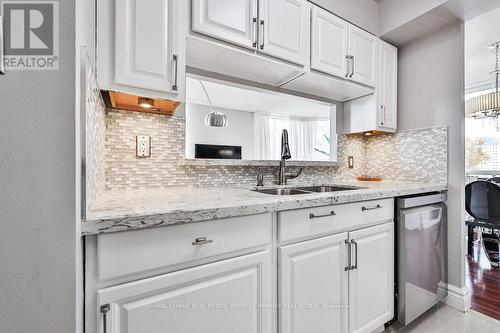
(328,188)
(307,189)
(281,191)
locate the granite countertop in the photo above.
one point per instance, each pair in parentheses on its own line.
(130,210)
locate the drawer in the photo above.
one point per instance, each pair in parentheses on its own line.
(319,221)
(130,252)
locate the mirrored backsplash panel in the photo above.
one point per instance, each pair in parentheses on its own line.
(409,155)
(252,123)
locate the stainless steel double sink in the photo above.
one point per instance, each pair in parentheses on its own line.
(308,189)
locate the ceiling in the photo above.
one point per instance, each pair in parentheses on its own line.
(479,59)
(252,99)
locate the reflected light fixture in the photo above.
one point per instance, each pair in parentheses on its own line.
(213,118)
(487,105)
(146,103)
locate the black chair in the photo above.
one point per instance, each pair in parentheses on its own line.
(494,179)
(482,202)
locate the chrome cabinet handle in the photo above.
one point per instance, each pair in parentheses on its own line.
(312,216)
(383,115)
(370,208)
(262,33)
(348,267)
(175,59)
(104,309)
(348,62)
(202,240)
(255,31)
(352,69)
(2,60)
(355,266)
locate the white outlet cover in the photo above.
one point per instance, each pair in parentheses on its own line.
(143,146)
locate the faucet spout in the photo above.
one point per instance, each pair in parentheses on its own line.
(285,155)
(285,147)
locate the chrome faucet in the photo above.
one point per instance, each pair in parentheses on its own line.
(285,155)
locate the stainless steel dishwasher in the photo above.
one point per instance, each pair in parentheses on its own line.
(421,261)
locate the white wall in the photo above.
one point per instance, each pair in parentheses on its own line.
(431,93)
(363,13)
(37,197)
(395,13)
(239,131)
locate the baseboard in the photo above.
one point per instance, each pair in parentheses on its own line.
(457,298)
(485,317)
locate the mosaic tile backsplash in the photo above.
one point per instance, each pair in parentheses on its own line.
(96,136)
(412,155)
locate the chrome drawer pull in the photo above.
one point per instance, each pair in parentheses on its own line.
(202,240)
(176,62)
(262,32)
(255,32)
(312,216)
(104,310)
(370,208)
(355,266)
(348,267)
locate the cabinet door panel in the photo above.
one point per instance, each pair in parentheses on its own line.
(284,29)
(371,284)
(387,86)
(312,274)
(229,20)
(363,46)
(329,43)
(145,43)
(218,297)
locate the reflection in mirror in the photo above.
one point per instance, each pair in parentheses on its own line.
(255,120)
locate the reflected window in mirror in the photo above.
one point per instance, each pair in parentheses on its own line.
(255,121)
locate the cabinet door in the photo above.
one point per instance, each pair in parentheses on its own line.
(313,286)
(146,53)
(284,29)
(363,48)
(234,21)
(329,43)
(218,297)
(371,283)
(387,86)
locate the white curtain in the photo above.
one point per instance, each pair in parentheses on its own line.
(303,134)
(277,124)
(262,136)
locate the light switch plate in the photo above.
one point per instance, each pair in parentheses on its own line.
(143,146)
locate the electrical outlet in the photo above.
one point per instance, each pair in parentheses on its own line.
(143,146)
(350,162)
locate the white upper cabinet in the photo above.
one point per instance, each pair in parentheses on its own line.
(141,47)
(186,300)
(363,52)
(285,29)
(371,281)
(343,50)
(234,21)
(387,86)
(329,46)
(313,272)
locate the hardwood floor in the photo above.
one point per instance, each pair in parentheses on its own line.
(484,282)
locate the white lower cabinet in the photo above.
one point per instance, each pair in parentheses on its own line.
(219,297)
(338,283)
(313,286)
(371,282)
